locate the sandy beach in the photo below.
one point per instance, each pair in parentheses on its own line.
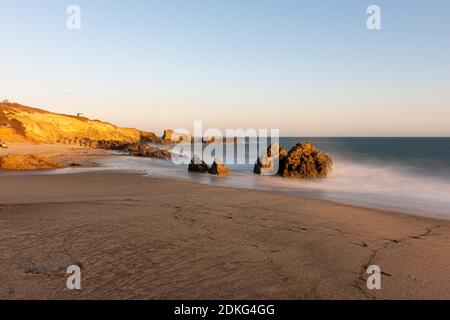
(144,238)
(225,150)
(65,154)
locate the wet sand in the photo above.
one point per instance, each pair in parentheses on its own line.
(144,238)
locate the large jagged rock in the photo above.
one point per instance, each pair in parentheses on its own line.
(265,165)
(198,165)
(27,162)
(219,169)
(167,136)
(304,161)
(170,137)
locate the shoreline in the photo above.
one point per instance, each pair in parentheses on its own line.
(106,170)
(93,160)
(99,168)
(151,238)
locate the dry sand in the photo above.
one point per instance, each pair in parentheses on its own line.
(145,238)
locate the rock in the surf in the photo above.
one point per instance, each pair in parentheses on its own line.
(219,169)
(198,165)
(173,137)
(304,161)
(265,165)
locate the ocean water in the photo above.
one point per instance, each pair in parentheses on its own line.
(410,175)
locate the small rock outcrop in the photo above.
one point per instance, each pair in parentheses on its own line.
(219,169)
(27,162)
(167,136)
(171,137)
(304,161)
(137,149)
(149,137)
(265,165)
(158,154)
(140,149)
(198,165)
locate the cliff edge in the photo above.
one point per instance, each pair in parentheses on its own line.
(20,123)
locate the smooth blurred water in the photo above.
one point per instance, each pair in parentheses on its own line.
(429,157)
(419,156)
(410,175)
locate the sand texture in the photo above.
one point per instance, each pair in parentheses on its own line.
(145,238)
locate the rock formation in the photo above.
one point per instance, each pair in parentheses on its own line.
(282,153)
(149,137)
(167,136)
(198,165)
(27,162)
(140,149)
(304,161)
(219,169)
(265,165)
(137,149)
(170,137)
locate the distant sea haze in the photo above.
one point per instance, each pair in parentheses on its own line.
(404,174)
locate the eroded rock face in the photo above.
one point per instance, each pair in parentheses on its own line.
(137,149)
(167,136)
(158,153)
(20,123)
(198,165)
(304,161)
(219,169)
(27,162)
(282,153)
(265,165)
(140,149)
(170,137)
(149,137)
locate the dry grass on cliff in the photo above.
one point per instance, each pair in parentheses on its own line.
(20,123)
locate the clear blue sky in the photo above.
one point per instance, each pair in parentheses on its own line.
(310,68)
